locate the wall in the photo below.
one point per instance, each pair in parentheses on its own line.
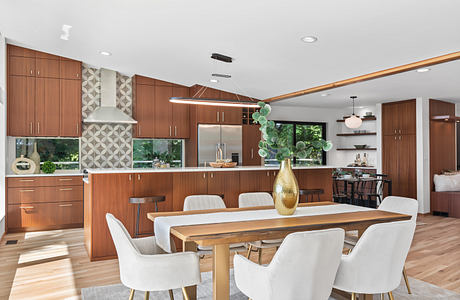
(2,131)
(330,117)
(105,145)
(423,154)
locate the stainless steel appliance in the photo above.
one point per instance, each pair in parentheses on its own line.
(228,138)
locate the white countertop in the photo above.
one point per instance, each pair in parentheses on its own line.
(68,173)
(208,169)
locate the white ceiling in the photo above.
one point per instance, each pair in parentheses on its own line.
(173,39)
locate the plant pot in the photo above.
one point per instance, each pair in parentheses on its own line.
(286,189)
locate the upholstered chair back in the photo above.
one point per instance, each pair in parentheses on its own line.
(255,199)
(201,202)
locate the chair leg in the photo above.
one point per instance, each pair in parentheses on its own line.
(147,295)
(248,255)
(390,294)
(184,292)
(260,256)
(406,280)
(382,296)
(171,295)
(353,296)
(131,295)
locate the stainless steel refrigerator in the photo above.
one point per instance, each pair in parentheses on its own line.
(229,138)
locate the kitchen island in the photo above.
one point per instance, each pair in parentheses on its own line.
(109,190)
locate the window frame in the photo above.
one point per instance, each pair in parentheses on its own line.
(323,135)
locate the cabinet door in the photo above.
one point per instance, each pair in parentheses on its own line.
(21,105)
(34,216)
(407,166)
(226,184)
(390,119)
(47,107)
(255,181)
(407,114)
(186,184)
(70,100)
(111,193)
(230,115)
(70,69)
(208,114)
(390,156)
(144,110)
(316,179)
(47,68)
(163,112)
(181,114)
(251,138)
(152,184)
(21,52)
(21,66)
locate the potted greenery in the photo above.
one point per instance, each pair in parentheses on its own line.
(285,188)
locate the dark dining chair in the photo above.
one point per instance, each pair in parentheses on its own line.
(338,191)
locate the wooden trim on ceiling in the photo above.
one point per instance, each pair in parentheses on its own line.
(387,72)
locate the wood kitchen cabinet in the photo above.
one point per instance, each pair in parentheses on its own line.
(70,69)
(256,181)
(399,147)
(40,102)
(21,105)
(181,113)
(163,112)
(315,179)
(147,185)
(216,114)
(186,184)
(47,107)
(144,110)
(251,139)
(225,184)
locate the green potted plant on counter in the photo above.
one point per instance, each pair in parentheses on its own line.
(285,187)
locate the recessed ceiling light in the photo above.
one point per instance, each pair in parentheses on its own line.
(214,80)
(422,70)
(105,53)
(325,95)
(65,32)
(309,39)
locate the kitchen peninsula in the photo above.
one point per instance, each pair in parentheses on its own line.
(109,191)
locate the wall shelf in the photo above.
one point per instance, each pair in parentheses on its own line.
(364,119)
(355,134)
(354,149)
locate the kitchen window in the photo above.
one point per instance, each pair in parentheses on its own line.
(64,153)
(306,132)
(148,151)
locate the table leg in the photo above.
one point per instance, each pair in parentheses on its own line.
(191,290)
(221,272)
(366,297)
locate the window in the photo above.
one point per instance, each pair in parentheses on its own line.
(145,151)
(64,153)
(306,132)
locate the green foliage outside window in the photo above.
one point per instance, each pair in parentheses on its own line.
(146,150)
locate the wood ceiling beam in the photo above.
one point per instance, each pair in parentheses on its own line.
(392,71)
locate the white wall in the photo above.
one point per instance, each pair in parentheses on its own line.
(2,130)
(329,116)
(423,153)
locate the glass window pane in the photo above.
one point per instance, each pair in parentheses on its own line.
(145,151)
(63,152)
(308,134)
(287,132)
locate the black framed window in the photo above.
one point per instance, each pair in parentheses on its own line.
(306,132)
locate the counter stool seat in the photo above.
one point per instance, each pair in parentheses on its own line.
(142,200)
(310,194)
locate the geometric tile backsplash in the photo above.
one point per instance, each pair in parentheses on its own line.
(105,145)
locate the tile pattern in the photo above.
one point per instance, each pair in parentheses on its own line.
(105,145)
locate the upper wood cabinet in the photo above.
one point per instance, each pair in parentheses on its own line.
(156,116)
(251,138)
(40,103)
(399,118)
(216,114)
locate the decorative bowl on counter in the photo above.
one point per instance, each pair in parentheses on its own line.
(229,164)
(216,164)
(361,146)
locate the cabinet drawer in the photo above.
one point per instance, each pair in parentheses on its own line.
(69,213)
(68,193)
(30,181)
(69,180)
(29,194)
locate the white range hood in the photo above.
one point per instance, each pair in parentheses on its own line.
(108,111)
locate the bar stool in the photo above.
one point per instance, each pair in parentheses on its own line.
(142,200)
(311,193)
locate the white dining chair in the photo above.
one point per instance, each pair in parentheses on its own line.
(146,267)
(252,200)
(396,204)
(304,267)
(375,264)
(206,202)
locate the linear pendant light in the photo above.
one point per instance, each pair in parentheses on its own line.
(212,102)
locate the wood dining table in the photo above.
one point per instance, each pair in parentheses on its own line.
(220,235)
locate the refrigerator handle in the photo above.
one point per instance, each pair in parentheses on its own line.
(217,116)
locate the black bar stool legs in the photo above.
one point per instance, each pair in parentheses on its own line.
(141,200)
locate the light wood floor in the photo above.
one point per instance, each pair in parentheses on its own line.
(54,264)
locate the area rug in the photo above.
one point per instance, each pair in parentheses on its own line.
(421,291)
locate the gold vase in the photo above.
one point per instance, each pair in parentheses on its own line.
(286,189)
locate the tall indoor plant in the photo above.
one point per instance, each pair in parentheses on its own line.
(285,187)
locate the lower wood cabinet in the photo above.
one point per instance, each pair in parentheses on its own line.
(41,203)
(315,179)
